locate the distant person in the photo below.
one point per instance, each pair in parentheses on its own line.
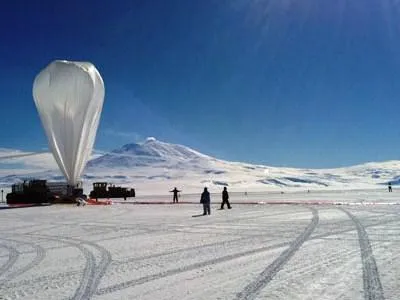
(205,200)
(175,191)
(225,199)
(390,187)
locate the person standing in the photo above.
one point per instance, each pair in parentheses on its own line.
(390,187)
(225,199)
(206,201)
(175,191)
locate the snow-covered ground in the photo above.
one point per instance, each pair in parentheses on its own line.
(263,251)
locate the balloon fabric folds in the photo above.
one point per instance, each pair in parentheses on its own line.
(69,98)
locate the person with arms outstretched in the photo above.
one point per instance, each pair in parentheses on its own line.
(175,191)
(225,199)
(206,200)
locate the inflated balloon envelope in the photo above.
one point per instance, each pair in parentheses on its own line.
(69,98)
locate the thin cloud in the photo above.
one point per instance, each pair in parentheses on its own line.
(28,160)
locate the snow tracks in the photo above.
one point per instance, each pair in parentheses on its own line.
(251,290)
(93,271)
(372,283)
(7,270)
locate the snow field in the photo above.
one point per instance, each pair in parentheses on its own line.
(162,252)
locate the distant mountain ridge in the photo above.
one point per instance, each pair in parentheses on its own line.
(154,167)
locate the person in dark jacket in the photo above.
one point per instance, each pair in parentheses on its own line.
(175,191)
(390,187)
(205,200)
(225,199)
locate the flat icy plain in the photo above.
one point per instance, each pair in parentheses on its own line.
(253,251)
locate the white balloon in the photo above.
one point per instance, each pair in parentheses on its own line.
(69,98)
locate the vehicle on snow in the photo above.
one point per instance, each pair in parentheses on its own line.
(37,191)
(103,190)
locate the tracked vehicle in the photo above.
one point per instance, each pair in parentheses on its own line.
(40,191)
(100,190)
(30,192)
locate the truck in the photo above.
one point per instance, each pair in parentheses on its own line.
(30,192)
(104,190)
(37,191)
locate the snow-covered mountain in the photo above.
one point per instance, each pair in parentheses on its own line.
(149,153)
(153,167)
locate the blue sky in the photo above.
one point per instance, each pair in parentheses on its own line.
(302,83)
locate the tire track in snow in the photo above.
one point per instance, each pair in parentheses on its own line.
(187,249)
(252,289)
(372,284)
(40,279)
(108,261)
(71,273)
(38,250)
(88,272)
(101,268)
(294,246)
(232,241)
(92,272)
(141,280)
(40,255)
(172,252)
(336,231)
(13,255)
(66,274)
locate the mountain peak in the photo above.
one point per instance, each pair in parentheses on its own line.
(150,139)
(149,152)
